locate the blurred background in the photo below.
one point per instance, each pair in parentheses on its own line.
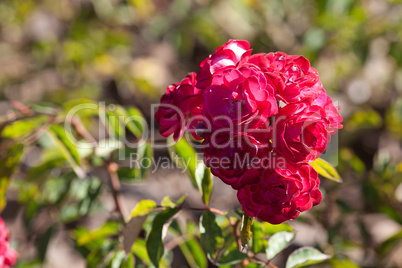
(127,52)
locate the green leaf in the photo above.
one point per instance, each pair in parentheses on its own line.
(211,233)
(277,243)
(108,229)
(117,259)
(364,119)
(130,118)
(231,258)
(257,237)
(345,263)
(154,242)
(81,107)
(43,242)
(67,140)
(245,229)
(391,243)
(326,169)
(129,262)
(194,254)
(9,162)
(166,202)
(270,229)
(184,156)
(114,126)
(139,249)
(144,156)
(22,128)
(305,256)
(143,207)
(66,153)
(204,181)
(128,174)
(138,119)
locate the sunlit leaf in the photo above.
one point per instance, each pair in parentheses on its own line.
(326,169)
(9,162)
(131,118)
(144,157)
(194,254)
(108,229)
(257,237)
(204,181)
(139,249)
(245,229)
(23,128)
(183,155)
(166,202)
(305,256)
(278,242)
(67,140)
(67,154)
(270,229)
(344,263)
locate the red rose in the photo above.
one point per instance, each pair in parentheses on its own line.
(333,117)
(281,194)
(235,160)
(181,101)
(239,96)
(227,55)
(301,82)
(300,132)
(8,256)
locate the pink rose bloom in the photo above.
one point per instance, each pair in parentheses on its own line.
(281,194)
(239,96)
(333,117)
(235,160)
(301,82)
(181,101)
(8,256)
(227,55)
(300,132)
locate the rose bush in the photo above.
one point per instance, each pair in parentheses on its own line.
(248,108)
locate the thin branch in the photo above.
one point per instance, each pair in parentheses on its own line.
(81,130)
(21,107)
(235,226)
(116,190)
(266,263)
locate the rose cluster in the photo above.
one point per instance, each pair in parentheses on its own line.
(8,256)
(261,119)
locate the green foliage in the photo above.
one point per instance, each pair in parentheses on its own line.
(154,243)
(211,233)
(325,169)
(245,229)
(203,177)
(277,242)
(305,256)
(184,156)
(76,78)
(9,162)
